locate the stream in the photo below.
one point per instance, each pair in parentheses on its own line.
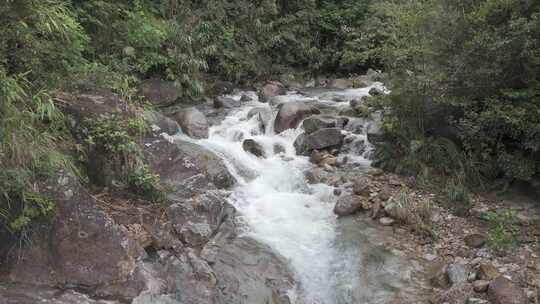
(336,261)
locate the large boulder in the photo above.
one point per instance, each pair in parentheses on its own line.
(349,204)
(253,147)
(81,246)
(340,83)
(193,122)
(271,89)
(160,92)
(329,138)
(187,166)
(316,122)
(503,291)
(160,122)
(291,114)
(226,102)
(247,271)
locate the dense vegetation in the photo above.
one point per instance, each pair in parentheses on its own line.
(466,92)
(463,73)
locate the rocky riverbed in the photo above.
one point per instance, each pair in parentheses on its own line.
(270,198)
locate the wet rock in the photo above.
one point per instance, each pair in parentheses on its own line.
(225,102)
(247,271)
(193,122)
(271,89)
(246,98)
(362,186)
(480,285)
(387,221)
(322,139)
(253,147)
(375,91)
(317,122)
(316,176)
(279,149)
(160,92)
(164,123)
(487,272)
(29,294)
(475,240)
(503,291)
(348,204)
(188,167)
(375,131)
(263,114)
(438,274)
(457,273)
(291,114)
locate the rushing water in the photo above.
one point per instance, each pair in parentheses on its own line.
(295,218)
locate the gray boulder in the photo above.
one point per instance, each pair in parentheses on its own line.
(316,122)
(321,139)
(264,115)
(271,89)
(160,92)
(348,204)
(291,114)
(193,122)
(503,291)
(164,123)
(225,102)
(253,147)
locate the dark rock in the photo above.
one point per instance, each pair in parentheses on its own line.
(81,246)
(225,102)
(375,91)
(222,87)
(160,92)
(291,114)
(438,275)
(245,98)
(322,139)
(355,125)
(271,89)
(475,240)
(29,294)
(503,291)
(279,149)
(487,272)
(253,147)
(340,83)
(193,122)
(187,166)
(375,129)
(164,123)
(317,122)
(348,204)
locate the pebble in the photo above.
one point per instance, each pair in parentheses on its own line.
(386,221)
(480,285)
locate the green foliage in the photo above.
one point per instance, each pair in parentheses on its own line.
(146,183)
(113,134)
(476,85)
(503,229)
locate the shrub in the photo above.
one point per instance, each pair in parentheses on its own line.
(503,229)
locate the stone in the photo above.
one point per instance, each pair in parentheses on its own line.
(186,167)
(164,123)
(278,148)
(80,245)
(246,98)
(487,272)
(475,240)
(362,186)
(480,285)
(476,301)
(271,89)
(263,115)
(348,205)
(375,91)
(225,102)
(457,273)
(503,291)
(317,122)
(291,114)
(193,122)
(458,294)
(387,221)
(253,147)
(340,83)
(322,139)
(160,92)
